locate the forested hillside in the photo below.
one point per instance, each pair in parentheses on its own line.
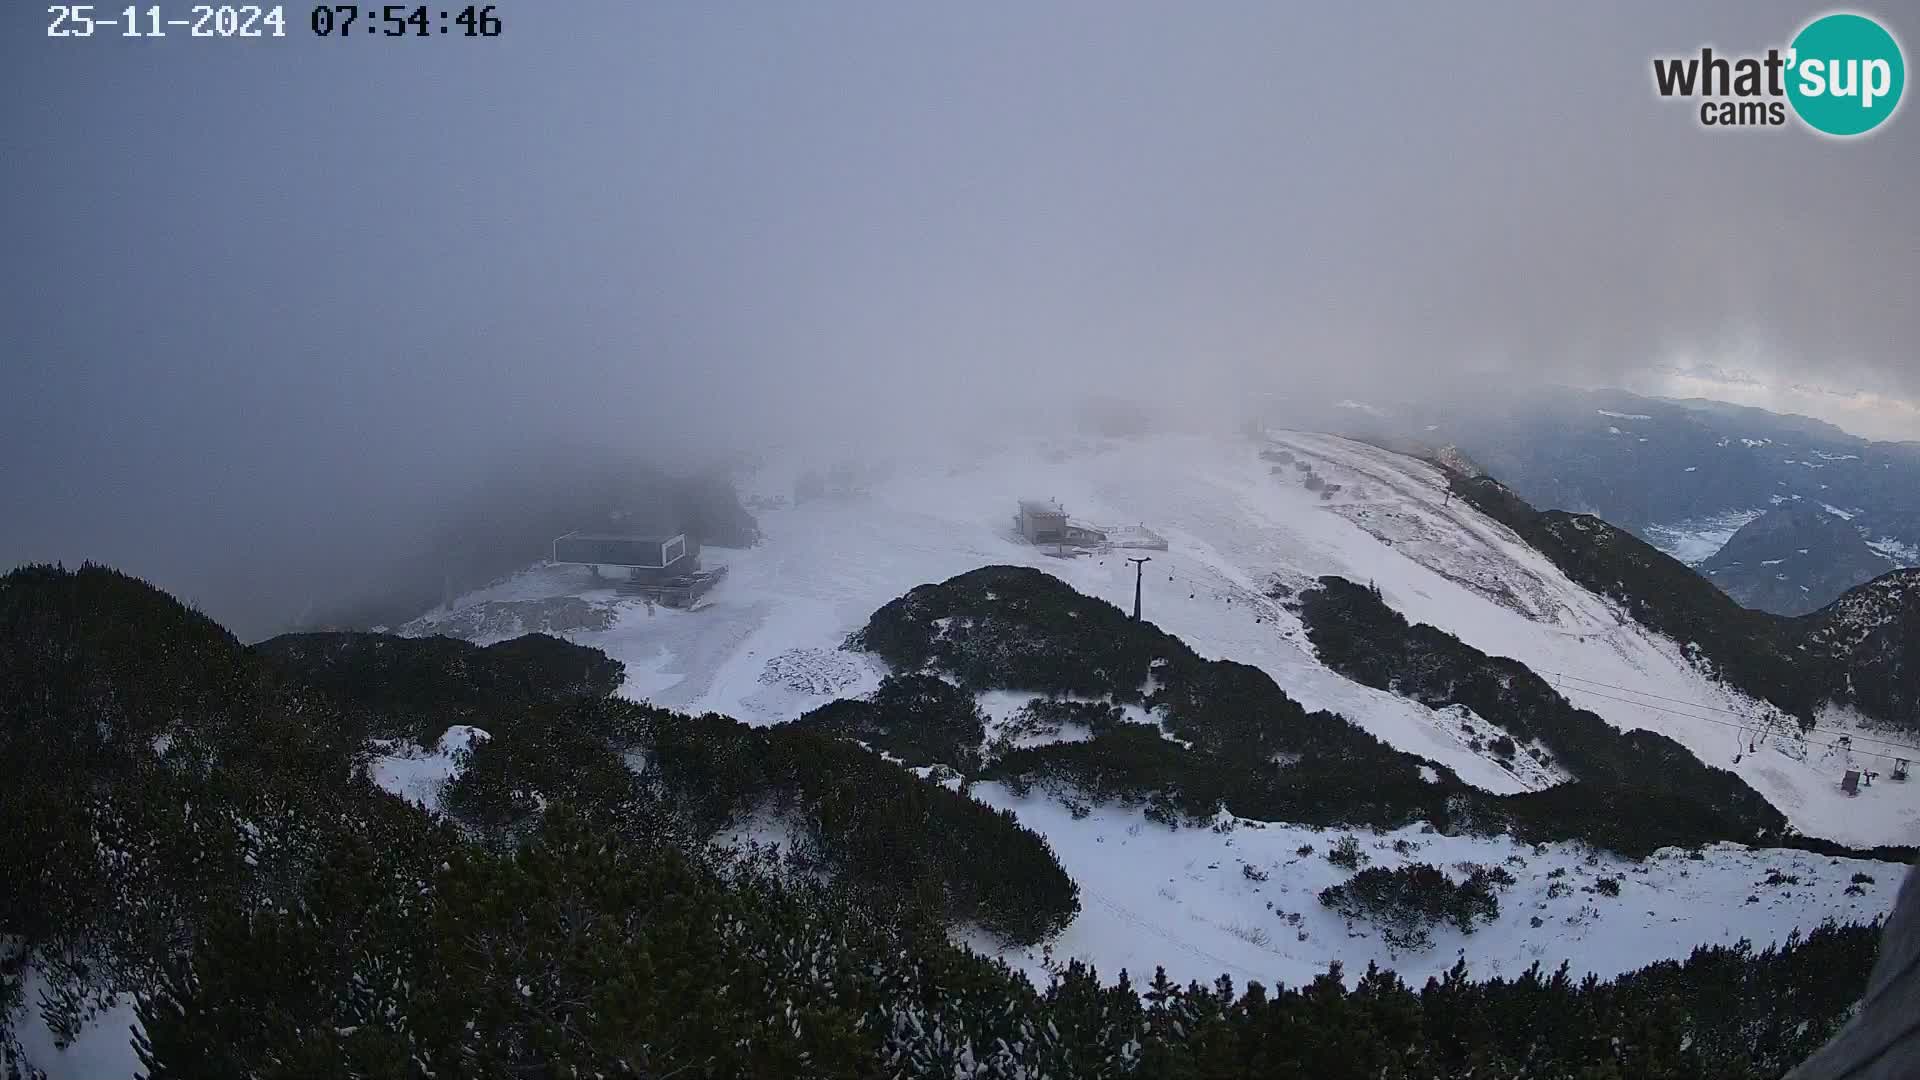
(194,834)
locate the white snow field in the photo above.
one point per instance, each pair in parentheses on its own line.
(1184,900)
(767,647)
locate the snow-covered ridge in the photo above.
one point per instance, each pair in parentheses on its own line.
(1868,608)
(768,646)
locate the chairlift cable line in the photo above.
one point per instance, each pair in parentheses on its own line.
(1728,723)
(1711,708)
(1851,736)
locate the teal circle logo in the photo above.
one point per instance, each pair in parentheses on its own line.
(1845,74)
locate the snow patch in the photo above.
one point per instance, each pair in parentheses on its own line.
(1696,540)
(418,776)
(103,1048)
(1891,548)
(813,672)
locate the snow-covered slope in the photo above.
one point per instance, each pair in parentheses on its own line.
(1186,900)
(1240,527)
(766,648)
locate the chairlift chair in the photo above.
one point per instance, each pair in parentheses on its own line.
(1899,769)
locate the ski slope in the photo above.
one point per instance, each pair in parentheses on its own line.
(766,647)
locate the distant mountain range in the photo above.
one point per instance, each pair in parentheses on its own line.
(1784,513)
(1792,560)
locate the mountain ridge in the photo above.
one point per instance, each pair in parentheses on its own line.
(1681,474)
(1788,559)
(1799,663)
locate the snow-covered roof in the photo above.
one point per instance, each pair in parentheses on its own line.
(630,538)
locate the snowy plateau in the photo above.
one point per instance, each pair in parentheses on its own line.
(1241,898)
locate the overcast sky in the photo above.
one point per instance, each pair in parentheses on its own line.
(261,301)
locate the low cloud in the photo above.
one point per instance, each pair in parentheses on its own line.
(270,307)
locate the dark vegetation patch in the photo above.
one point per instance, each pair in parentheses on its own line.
(1407,902)
(169,775)
(1345,852)
(558,737)
(1004,627)
(1254,749)
(417,686)
(157,774)
(1048,716)
(897,840)
(1128,764)
(921,719)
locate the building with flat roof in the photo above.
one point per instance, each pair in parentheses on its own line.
(633,557)
(1041,522)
